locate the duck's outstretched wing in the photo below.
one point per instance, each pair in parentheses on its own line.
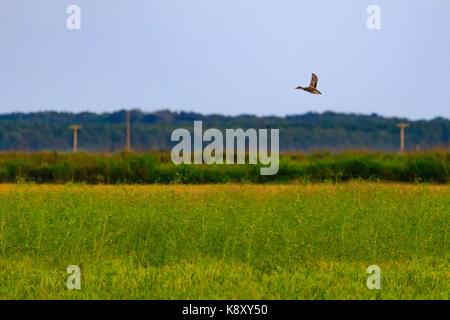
(314,81)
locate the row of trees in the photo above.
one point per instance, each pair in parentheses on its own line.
(152,131)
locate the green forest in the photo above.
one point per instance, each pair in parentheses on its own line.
(309,132)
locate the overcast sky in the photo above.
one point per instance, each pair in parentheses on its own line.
(229,57)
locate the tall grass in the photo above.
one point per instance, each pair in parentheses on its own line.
(148,168)
(225,241)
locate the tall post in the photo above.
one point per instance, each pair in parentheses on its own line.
(75,129)
(402,127)
(128,132)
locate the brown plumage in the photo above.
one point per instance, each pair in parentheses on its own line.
(312,87)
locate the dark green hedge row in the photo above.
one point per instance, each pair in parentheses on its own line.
(45,167)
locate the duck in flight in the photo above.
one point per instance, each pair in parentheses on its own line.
(312,87)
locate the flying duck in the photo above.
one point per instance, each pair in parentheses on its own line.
(312,87)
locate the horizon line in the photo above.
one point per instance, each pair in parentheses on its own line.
(179,111)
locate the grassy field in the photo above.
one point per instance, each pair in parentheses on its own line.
(157,168)
(311,241)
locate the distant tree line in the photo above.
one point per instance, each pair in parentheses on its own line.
(151,131)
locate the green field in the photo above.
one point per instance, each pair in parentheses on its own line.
(225,241)
(157,168)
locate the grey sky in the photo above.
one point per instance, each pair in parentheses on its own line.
(229,57)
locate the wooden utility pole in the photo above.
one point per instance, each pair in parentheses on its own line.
(402,127)
(128,132)
(75,129)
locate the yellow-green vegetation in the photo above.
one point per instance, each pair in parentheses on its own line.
(225,241)
(157,167)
